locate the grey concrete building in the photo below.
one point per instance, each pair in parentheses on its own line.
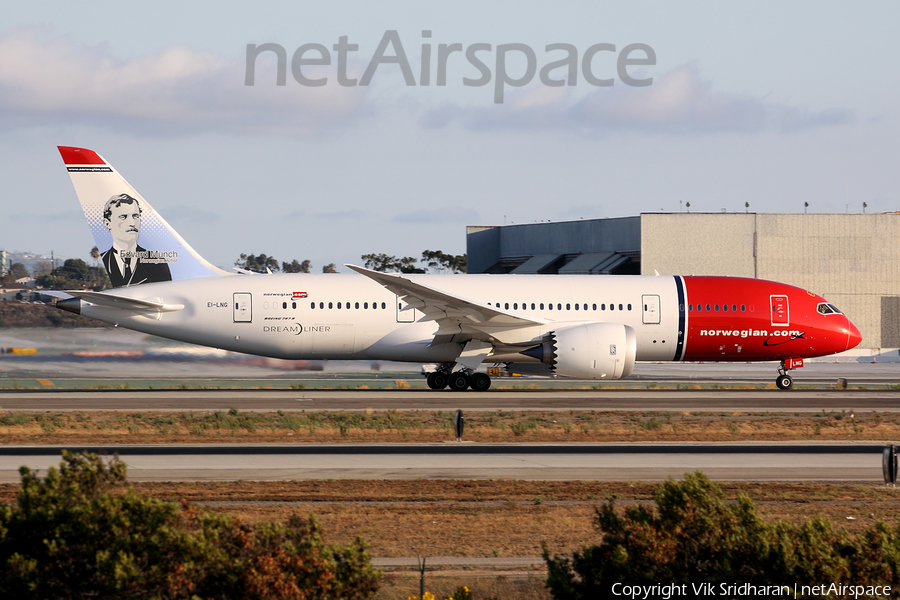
(851,259)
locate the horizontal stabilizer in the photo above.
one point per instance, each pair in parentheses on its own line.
(133,304)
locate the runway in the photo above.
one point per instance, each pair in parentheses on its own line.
(756,401)
(548,462)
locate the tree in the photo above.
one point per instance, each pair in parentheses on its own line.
(18,271)
(408,265)
(81,532)
(74,274)
(692,534)
(329,268)
(435,259)
(257,264)
(381,262)
(296,267)
(385,263)
(95,253)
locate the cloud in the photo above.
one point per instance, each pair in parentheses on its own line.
(678,102)
(176,91)
(342,215)
(436,215)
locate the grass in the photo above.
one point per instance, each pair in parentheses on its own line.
(437,426)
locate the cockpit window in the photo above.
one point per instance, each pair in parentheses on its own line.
(828,309)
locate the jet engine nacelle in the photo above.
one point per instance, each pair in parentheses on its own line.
(589,350)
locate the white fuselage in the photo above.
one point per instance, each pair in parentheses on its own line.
(297,316)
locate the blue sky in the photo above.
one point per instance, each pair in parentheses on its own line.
(766,103)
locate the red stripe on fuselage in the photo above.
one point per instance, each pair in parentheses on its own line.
(80,156)
(734,322)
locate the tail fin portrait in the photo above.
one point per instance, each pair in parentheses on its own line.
(137,245)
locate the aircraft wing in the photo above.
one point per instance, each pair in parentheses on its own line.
(458,318)
(112,301)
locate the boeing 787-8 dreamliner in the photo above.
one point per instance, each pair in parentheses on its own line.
(589,327)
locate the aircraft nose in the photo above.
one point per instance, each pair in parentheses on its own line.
(854,337)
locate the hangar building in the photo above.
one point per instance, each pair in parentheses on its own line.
(850,259)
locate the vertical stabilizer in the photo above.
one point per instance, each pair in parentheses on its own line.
(136,244)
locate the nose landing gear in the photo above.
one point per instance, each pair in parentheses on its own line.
(784,381)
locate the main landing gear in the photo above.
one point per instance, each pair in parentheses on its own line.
(459,381)
(784,381)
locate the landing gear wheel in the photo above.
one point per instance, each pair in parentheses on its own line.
(480,382)
(459,381)
(436,380)
(784,382)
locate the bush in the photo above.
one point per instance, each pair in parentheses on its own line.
(692,535)
(80,532)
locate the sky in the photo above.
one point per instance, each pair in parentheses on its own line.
(768,103)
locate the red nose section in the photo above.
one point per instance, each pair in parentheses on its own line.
(853,335)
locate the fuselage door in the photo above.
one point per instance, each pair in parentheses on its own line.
(406,316)
(651,309)
(243,309)
(780,310)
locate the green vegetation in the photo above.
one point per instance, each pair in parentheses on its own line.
(692,535)
(74,274)
(82,533)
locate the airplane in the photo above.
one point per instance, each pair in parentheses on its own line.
(587,327)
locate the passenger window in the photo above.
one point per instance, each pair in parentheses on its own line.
(284,305)
(321,305)
(620,307)
(558,306)
(576,306)
(717,308)
(743,307)
(293,305)
(515,306)
(725,307)
(690,308)
(330,305)
(542,306)
(593,307)
(383,305)
(506,306)
(356,305)
(602,307)
(568,306)
(312,305)
(365,305)
(682,307)
(708,308)
(550,306)
(532,306)
(734,308)
(339,305)
(612,307)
